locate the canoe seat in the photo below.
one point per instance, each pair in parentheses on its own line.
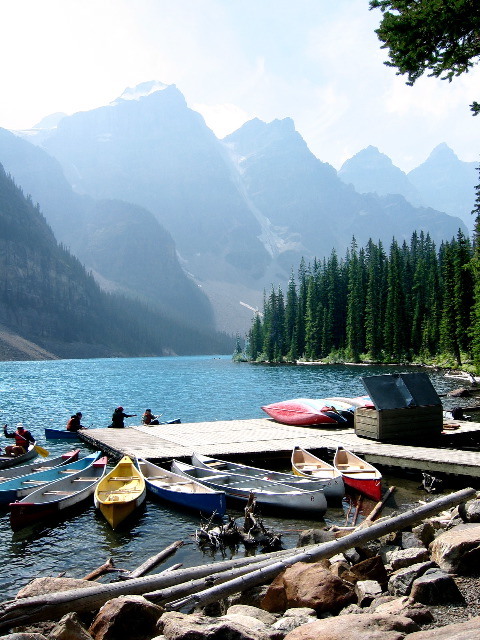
(216,464)
(34,482)
(124,478)
(352,469)
(68,470)
(83,479)
(156,477)
(59,493)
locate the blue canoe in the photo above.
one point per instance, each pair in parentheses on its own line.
(181,491)
(18,488)
(60,434)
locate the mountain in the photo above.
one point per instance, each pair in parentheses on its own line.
(442,182)
(310,209)
(447,183)
(242,211)
(124,245)
(370,171)
(51,307)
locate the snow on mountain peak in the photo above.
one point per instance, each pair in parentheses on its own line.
(142,90)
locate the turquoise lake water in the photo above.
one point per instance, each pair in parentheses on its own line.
(194,389)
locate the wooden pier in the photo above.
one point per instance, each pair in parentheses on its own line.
(263,439)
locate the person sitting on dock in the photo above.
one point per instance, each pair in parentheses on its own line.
(22,440)
(118,417)
(149,418)
(74,424)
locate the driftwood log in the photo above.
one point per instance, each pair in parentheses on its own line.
(153,561)
(325,550)
(53,606)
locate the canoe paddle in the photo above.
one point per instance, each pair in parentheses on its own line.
(43,452)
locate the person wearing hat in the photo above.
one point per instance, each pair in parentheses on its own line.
(118,417)
(22,440)
(149,418)
(74,424)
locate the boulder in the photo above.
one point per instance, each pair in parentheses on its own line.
(308,584)
(425,531)
(131,617)
(70,627)
(362,627)
(180,626)
(469,511)
(458,550)
(40,586)
(314,536)
(366,592)
(254,612)
(404,606)
(435,587)
(252,596)
(369,569)
(400,582)
(406,557)
(339,568)
(459,631)
(410,540)
(24,636)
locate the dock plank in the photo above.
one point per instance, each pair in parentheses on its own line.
(263,436)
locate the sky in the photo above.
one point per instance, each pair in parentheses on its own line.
(318,62)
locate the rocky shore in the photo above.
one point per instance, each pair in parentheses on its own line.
(420,582)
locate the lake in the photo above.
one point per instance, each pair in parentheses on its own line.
(194,389)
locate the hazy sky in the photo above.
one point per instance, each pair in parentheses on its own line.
(316,61)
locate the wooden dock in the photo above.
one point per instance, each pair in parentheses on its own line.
(262,439)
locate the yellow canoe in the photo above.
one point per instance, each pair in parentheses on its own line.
(120,492)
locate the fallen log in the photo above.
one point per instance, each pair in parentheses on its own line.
(52,606)
(106,567)
(325,550)
(152,562)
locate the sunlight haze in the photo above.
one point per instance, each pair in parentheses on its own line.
(317,62)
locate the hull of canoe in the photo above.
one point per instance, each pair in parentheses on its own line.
(303,412)
(12,461)
(59,434)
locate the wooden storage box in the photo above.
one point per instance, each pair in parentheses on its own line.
(399,425)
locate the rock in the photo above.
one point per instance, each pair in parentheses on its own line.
(352,556)
(386,549)
(458,550)
(252,596)
(248,622)
(461,631)
(254,612)
(314,536)
(339,568)
(369,569)
(400,582)
(69,627)
(411,541)
(435,587)
(470,511)
(289,623)
(213,609)
(308,584)
(363,627)
(300,611)
(369,549)
(131,617)
(404,606)
(180,626)
(366,591)
(406,557)
(40,586)
(425,532)
(352,609)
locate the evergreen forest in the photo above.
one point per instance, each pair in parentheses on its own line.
(412,303)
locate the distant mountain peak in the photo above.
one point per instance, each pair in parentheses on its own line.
(142,90)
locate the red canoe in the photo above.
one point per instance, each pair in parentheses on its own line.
(358,474)
(304,411)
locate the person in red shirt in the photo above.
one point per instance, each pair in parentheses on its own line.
(22,440)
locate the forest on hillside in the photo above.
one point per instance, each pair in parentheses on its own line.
(413,303)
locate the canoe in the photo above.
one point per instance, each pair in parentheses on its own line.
(267,493)
(304,412)
(358,474)
(39,465)
(181,492)
(60,434)
(11,461)
(331,484)
(120,492)
(305,464)
(56,497)
(21,486)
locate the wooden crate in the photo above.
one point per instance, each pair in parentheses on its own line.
(399,425)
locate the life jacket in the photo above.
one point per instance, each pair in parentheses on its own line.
(21,441)
(147,418)
(73,424)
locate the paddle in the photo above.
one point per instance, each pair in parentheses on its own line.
(43,452)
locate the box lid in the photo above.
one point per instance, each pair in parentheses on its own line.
(400,390)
